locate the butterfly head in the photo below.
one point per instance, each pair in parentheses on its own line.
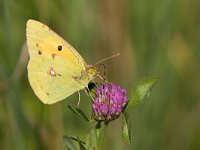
(91,72)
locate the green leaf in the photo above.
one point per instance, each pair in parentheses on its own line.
(141,91)
(126,129)
(81,146)
(76,139)
(91,141)
(68,142)
(88,142)
(93,138)
(79,112)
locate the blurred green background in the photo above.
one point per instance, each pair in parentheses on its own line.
(154,38)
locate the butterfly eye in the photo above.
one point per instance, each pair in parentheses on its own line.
(59,47)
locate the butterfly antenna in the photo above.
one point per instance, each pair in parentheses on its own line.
(104,71)
(106,59)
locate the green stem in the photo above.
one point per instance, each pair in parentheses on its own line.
(102,135)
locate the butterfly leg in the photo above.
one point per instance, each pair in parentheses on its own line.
(79,98)
(89,93)
(86,92)
(94,83)
(102,78)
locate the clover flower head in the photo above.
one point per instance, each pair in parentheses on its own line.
(109,102)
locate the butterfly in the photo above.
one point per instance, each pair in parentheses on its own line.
(55,69)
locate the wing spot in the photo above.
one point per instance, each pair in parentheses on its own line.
(47,93)
(39,52)
(51,72)
(59,47)
(37,44)
(53,55)
(75,78)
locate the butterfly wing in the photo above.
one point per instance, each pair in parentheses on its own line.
(54,65)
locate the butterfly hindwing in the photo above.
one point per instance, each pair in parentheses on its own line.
(50,81)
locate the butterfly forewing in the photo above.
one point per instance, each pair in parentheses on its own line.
(54,65)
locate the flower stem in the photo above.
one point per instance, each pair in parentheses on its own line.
(102,135)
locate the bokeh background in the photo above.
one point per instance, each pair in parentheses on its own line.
(154,38)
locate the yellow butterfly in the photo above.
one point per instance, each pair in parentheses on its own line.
(55,69)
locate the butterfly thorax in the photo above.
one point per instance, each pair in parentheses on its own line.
(87,75)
